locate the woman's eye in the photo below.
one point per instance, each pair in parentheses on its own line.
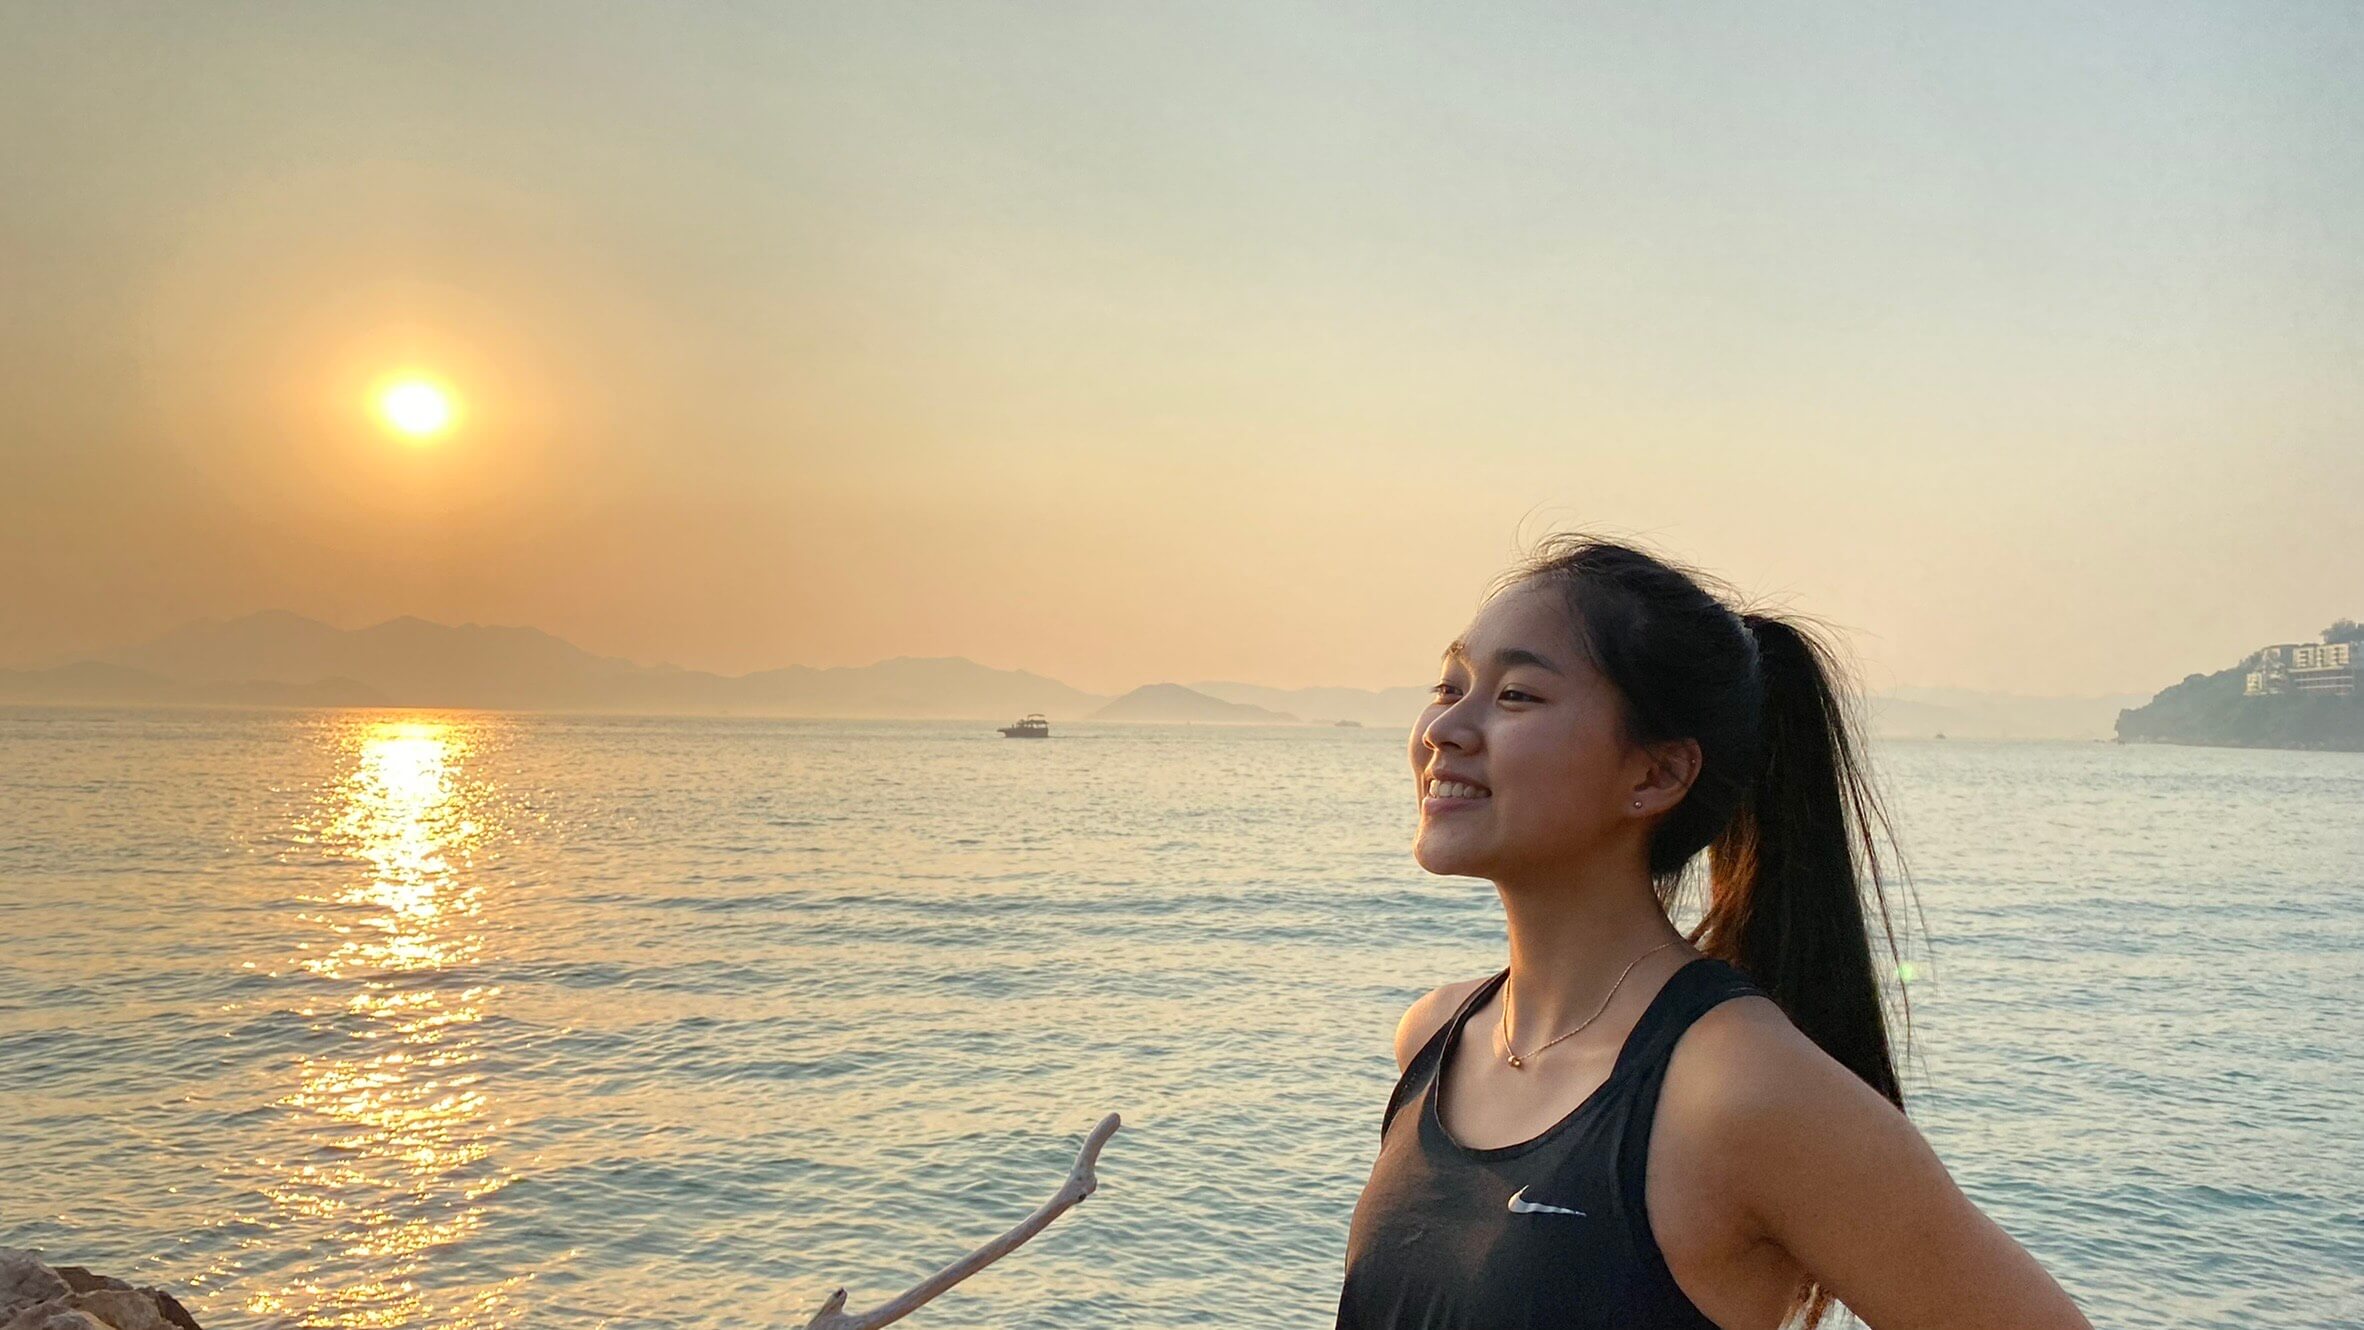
(1507,692)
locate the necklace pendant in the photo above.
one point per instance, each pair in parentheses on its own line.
(1517,1061)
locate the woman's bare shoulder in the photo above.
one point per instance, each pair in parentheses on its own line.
(1745,1084)
(1746,1051)
(1428,1014)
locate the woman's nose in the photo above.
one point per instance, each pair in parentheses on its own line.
(1445,729)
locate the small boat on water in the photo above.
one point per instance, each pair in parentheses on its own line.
(1033,726)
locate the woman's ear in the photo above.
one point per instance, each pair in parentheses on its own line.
(1674,764)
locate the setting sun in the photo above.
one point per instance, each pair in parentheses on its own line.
(417,408)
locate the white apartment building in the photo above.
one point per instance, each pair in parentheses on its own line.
(2306,667)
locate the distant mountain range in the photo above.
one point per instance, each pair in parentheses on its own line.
(1326,706)
(280,659)
(276,657)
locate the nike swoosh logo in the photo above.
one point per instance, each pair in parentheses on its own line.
(1519,1205)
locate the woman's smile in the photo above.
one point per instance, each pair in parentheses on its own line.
(1461,797)
(1438,803)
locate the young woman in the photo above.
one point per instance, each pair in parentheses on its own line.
(1630,1126)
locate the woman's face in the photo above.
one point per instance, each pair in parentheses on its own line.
(1519,713)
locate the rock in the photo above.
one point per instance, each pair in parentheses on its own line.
(51,1316)
(83,1281)
(35,1297)
(121,1308)
(25,1281)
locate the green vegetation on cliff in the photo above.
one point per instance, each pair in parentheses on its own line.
(2211,709)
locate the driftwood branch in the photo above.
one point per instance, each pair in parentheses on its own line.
(1081,1182)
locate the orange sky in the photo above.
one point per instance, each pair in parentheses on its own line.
(1124,347)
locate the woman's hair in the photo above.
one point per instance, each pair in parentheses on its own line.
(1781,801)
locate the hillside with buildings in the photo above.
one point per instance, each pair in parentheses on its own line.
(2287,695)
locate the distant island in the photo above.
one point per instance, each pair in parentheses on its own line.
(2287,695)
(1171,702)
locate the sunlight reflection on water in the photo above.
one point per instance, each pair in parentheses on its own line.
(402,1132)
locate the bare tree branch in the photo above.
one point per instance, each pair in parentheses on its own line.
(1081,1182)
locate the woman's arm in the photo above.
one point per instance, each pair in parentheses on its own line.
(1829,1170)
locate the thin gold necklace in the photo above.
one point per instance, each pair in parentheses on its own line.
(1515,1060)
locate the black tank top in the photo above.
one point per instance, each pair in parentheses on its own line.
(1549,1232)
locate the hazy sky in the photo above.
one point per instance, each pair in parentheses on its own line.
(1128,342)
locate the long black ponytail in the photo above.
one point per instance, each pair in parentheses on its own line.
(1782,801)
(1789,872)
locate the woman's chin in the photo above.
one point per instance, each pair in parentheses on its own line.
(1441,856)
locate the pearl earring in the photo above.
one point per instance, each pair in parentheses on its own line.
(1637,803)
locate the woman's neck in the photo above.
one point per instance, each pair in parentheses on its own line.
(1569,941)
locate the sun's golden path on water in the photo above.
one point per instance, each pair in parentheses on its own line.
(402,1126)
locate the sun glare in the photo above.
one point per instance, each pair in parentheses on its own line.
(417,408)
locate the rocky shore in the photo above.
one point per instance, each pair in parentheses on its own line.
(34,1296)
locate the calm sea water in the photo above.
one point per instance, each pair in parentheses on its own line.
(380,1019)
